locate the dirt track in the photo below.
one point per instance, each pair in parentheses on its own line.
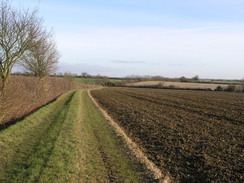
(68,140)
(197,136)
(136,151)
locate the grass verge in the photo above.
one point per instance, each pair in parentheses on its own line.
(68,140)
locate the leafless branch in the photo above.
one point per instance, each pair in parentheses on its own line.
(20,30)
(42,59)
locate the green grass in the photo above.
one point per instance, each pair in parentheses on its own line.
(26,146)
(68,140)
(95,81)
(110,147)
(88,81)
(116,80)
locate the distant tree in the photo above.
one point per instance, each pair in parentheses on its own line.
(183,79)
(19,31)
(42,59)
(219,88)
(84,74)
(196,78)
(230,88)
(157,78)
(59,74)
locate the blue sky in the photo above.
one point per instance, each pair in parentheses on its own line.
(168,38)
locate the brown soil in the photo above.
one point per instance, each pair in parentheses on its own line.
(196,136)
(153,170)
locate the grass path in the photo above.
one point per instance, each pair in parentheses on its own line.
(68,140)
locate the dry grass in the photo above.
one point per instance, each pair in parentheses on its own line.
(25,94)
(179,85)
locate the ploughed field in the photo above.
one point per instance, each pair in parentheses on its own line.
(195,136)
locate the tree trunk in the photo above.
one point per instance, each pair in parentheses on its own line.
(2,85)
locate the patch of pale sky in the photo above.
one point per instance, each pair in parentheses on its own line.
(195,49)
(204,37)
(154,38)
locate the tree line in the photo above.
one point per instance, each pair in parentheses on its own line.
(25,41)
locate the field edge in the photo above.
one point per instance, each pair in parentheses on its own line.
(154,171)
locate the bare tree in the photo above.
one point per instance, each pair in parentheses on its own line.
(196,78)
(183,79)
(84,74)
(19,32)
(42,59)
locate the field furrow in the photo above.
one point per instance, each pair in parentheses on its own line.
(202,106)
(195,143)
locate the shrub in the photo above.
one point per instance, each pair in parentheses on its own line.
(183,79)
(239,88)
(24,94)
(219,88)
(230,88)
(160,85)
(109,83)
